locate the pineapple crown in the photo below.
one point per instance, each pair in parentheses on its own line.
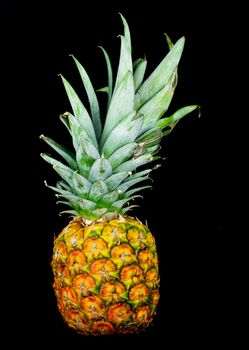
(101,176)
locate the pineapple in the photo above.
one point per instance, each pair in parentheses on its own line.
(105,262)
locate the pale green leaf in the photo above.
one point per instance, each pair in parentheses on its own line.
(139,72)
(62,151)
(86,152)
(100,170)
(80,111)
(130,207)
(71,212)
(139,174)
(125,60)
(122,154)
(93,101)
(137,189)
(149,138)
(63,185)
(97,213)
(110,77)
(126,185)
(78,203)
(132,164)
(125,132)
(115,180)
(65,172)
(98,189)
(169,42)
(161,75)
(179,114)
(126,30)
(118,205)
(121,105)
(153,149)
(64,120)
(104,89)
(154,108)
(58,190)
(109,198)
(80,185)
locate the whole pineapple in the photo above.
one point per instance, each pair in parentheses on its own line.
(104,262)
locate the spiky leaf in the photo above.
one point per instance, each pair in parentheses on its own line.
(122,104)
(109,88)
(122,154)
(125,132)
(158,104)
(62,151)
(100,170)
(80,111)
(94,105)
(139,72)
(161,75)
(98,189)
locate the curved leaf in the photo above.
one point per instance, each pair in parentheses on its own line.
(80,111)
(161,75)
(94,105)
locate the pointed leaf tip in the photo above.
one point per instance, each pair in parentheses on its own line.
(169,41)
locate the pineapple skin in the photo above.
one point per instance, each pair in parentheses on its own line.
(106,277)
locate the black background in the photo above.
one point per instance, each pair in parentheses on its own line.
(186,210)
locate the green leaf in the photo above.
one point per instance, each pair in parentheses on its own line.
(130,207)
(137,189)
(139,174)
(104,89)
(169,42)
(161,75)
(80,111)
(78,203)
(121,105)
(132,164)
(120,203)
(122,154)
(109,198)
(97,191)
(153,149)
(58,190)
(125,60)
(150,137)
(126,30)
(154,108)
(80,185)
(125,132)
(124,187)
(116,179)
(71,212)
(63,185)
(110,78)
(97,213)
(179,114)
(76,182)
(100,170)
(86,152)
(63,151)
(94,105)
(64,120)
(139,73)
(136,63)
(65,172)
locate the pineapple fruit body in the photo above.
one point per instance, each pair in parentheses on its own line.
(106,277)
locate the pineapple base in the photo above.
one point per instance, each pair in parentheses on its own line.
(106,278)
